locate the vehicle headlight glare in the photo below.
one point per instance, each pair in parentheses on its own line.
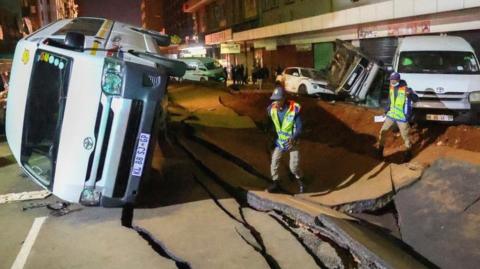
(112,77)
(474,97)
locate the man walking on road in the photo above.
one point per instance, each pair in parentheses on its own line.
(399,111)
(288,126)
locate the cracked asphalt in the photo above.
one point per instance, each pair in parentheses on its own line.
(184,219)
(203,206)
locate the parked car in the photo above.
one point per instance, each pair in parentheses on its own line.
(84,95)
(444,72)
(203,69)
(305,81)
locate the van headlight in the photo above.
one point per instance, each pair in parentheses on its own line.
(474,97)
(112,77)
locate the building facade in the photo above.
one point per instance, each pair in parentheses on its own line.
(302,32)
(19,18)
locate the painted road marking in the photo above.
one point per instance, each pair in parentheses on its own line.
(28,243)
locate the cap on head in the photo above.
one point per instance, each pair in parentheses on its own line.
(395,76)
(278,94)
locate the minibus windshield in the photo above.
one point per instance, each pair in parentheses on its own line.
(438,62)
(44,114)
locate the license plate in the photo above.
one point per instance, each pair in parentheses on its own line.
(140,155)
(434,117)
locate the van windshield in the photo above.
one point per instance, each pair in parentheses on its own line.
(44,114)
(438,62)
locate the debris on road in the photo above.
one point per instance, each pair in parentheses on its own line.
(24,196)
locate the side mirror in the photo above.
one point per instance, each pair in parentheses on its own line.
(75,40)
(174,68)
(161,39)
(296,74)
(389,68)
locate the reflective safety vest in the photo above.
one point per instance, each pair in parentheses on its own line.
(398,106)
(286,128)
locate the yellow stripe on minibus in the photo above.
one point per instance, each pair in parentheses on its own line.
(107,24)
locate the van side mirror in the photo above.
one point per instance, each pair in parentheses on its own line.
(296,74)
(161,39)
(75,41)
(389,68)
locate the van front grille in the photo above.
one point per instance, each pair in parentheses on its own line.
(125,164)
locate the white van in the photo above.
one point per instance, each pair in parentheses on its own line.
(444,72)
(203,69)
(84,94)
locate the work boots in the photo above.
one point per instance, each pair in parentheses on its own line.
(273,187)
(380,152)
(407,156)
(301,187)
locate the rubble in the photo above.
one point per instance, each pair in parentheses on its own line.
(371,248)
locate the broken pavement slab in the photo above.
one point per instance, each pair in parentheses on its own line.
(201,234)
(204,108)
(92,238)
(439,216)
(361,183)
(280,243)
(223,169)
(371,247)
(371,191)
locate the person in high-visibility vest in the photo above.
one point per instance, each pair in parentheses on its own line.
(285,116)
(398,112)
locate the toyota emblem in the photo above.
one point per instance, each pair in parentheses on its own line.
(439,90)
(88,143)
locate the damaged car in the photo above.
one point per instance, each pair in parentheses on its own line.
(352,74)
(304,81)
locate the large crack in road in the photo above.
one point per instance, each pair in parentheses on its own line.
(248,233)
(157,246)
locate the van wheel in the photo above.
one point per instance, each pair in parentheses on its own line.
(302,90)
(202,79)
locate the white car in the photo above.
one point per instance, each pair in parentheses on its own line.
(305,81)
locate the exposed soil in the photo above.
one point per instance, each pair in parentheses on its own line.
(353,127)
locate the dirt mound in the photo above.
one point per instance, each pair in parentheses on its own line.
(353,127)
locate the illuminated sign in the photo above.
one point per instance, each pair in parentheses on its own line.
(229,48)
(219,37)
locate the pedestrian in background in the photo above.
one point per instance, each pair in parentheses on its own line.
(245,76)
(255,74)
(398,113)
(260,77)
(285,116)
(240,72)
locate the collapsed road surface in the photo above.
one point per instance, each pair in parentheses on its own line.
(184,219)
(204,206)
(342,172)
